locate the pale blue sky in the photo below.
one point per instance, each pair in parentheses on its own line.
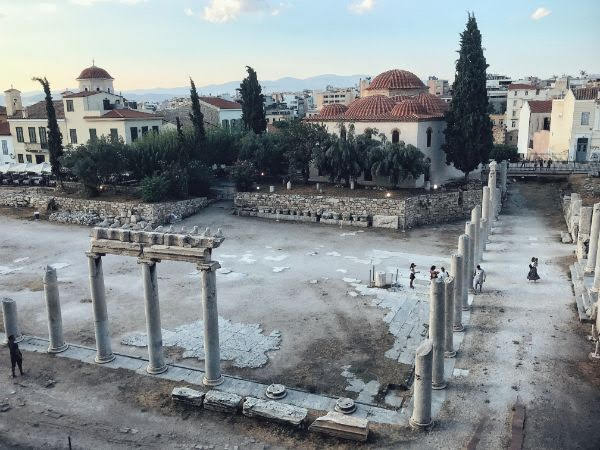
(159,43)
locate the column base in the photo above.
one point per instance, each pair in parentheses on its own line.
(458,328)
(420,426)
(156,370)
(104,359)
(60,349)
(466,308)
(218,381)
(588,271)
(451,354)
(439,387)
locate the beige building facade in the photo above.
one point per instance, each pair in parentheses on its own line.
(334,97)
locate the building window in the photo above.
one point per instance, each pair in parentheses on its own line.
(39,159)
(73,135)
(515,93)
(134,133)
(155,129)
(526,92)
(20,158)
(93,134)
(514,123)
(43,137)
(343,133)
(5,147)
(114,134)
(20,134)
(547,123)
(32,135)
(70,106)
(429,132)
(225,123)
(395,137)
(514,103)
(514,113)
(28,157)
(144,131)
(585,118)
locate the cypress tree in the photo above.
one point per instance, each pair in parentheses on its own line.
(55,148)
(253,107)
(196,115)
(468,126)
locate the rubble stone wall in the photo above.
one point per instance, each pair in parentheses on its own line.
(92,212)
(438,207)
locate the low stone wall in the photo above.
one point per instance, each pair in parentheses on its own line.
(391,213)
(92,212)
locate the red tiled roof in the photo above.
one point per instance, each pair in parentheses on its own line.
(38,111)
(125,114)
(221,103)
(432,103)
(515,86)
(408,108)
(94,72)
(4,129)
(331,111)
(586,93)
(540,106)
(368,107)
(396,79)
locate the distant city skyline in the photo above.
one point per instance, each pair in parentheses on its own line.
(147,44)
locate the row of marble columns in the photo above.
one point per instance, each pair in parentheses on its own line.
(156,360)
(449,298)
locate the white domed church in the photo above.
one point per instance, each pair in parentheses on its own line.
(398,105)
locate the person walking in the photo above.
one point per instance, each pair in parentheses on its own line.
(533,273)
(443,274)
(479,278)
(16,358)
(433,273)
(413,273)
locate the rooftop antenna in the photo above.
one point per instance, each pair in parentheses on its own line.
(93,62)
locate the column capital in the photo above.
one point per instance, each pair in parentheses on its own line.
(94,255)
(148,261)
(208,266)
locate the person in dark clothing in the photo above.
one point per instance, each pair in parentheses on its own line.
(16,358)
(413,273)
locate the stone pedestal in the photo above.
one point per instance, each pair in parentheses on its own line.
(104,352)
(437,331)
(156,360)
(11,320)
(421,415)
(212,354)
(55,329)
(457,272)
(594,233)
(449,351)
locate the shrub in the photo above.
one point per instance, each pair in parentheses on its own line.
(200,179)
(501,152)
(155,188)
(243,174)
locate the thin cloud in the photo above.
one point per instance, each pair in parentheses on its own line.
(28,11)
(223,11)
(540,13)
(361,6)
(188,12)
(94,2)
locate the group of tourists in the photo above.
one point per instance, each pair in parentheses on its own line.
(538,162)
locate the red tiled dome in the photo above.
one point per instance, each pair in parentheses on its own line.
(369,107)
(401,98)
(432,104)
(396,79)
(94,72)
(408,108)
(332,111)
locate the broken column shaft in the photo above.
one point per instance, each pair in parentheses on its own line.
(485,205)
(104,352)
(463,251)
(212,355)
(492,181)
(484,235)
(55,329)
(421,415)
(470,231)
(11,320)
(437,331)
(156,360)
(476,220)
(594,232)
(449,315)
(457,272)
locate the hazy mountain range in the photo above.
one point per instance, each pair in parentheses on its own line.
(159,94)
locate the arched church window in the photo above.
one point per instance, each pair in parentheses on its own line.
(429,132)
(343,133)
(395,137)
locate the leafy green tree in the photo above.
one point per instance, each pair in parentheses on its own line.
(501,152)
(221,146)
(345,157)
(253,108)
(196,115)
(55,147)
(398,160)
(244,174)
(265,152)
(468,126)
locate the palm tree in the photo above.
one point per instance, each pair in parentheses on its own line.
(398,160)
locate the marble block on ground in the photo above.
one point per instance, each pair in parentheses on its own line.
(222,401)
(342,426)
(274,411)
(385,222)
(187,396)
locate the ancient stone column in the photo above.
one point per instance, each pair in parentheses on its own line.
(421,415)
(11,320)
(437,331)
(476,220)
(104,352)
(156,359)
(485,205)
(594,232)
(492,182)
(212,354)
(596,285)
(463,250)
(503,176)
(583,235)
(456,271)
(449,315)
(470,231)
(55,330)
(484,237)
